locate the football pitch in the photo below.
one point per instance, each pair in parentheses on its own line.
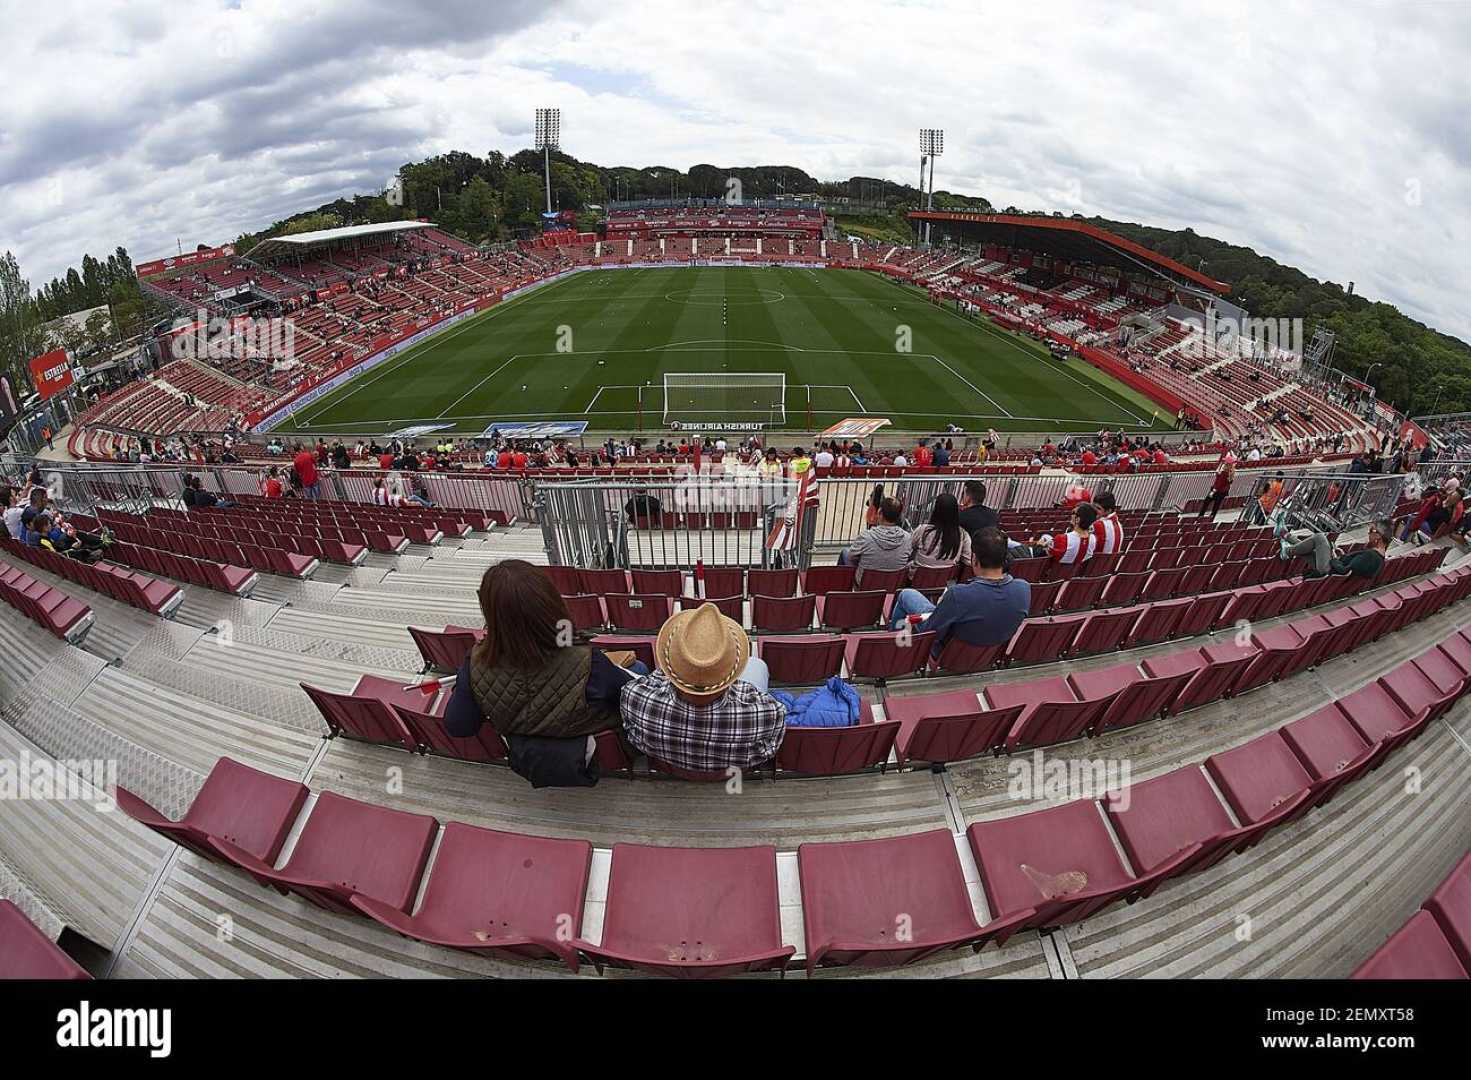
(595,346)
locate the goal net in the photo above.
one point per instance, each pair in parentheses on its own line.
(725,397)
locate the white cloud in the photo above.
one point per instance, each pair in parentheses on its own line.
(1336,140)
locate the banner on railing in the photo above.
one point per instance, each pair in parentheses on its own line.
(415,430)
(545,429)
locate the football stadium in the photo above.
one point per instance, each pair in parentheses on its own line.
(696,588)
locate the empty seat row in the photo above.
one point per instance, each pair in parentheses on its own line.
(692,912)
(196,571)
(52,609)
(138,590)
(292,558)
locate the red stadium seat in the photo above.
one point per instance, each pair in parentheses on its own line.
(1417,950)
(805,661)
(251,809)
(1450,904)
(497,892)
(885,902)
(947,726)
(26,953)
(691,912)
(348,847)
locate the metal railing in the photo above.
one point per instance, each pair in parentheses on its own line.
(717,517)
(662,522)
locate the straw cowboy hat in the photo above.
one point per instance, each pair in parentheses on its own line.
(701,651)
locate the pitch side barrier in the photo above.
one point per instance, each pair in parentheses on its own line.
(583,519)
(671,521)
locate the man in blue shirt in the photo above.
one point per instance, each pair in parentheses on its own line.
(984,611)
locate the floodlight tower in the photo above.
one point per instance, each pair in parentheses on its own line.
(931,146)
(548,138)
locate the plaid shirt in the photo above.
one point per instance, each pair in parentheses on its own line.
(741,728)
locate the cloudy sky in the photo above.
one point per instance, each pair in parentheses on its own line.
(1334,135)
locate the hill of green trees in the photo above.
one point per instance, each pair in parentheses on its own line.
(499,198)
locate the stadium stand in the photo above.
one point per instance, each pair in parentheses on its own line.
(219,749)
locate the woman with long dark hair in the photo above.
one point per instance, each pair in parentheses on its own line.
(942,542)
(529,676)
(531,680)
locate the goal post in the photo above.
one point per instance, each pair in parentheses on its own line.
(725,397)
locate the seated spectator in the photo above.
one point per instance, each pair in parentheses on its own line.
(1076,495)
(546,695)
(706,708)
(984,611)
(886,546)
(273,483)
(1076,545)
(38,532)
(384,496)
(202,499)
(942,542)
(35,504)
(975,515)
(1364,563)
(1108,532)
(643,508)
(12,511)
(942,456)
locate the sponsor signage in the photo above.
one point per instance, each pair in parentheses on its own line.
(52,372)
(856,427)
(544,429)
(715,425)
(178,262)
(417,429)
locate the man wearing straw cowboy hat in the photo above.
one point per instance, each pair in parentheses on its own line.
(706,707)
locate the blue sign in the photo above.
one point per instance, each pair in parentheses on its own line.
(535,429)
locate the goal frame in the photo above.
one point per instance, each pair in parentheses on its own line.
(680,382)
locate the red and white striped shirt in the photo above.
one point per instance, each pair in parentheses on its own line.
(1068,547)
(1108,535)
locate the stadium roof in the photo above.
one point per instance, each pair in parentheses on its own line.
(300,243)
(1077,240)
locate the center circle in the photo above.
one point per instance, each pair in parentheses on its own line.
(713,299)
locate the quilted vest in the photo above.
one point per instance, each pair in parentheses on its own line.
(550,701)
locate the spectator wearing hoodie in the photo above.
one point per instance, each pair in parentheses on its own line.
(886,546)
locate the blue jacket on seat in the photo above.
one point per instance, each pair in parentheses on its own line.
(834,705)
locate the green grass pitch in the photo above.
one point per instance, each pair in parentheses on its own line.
(595,345)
